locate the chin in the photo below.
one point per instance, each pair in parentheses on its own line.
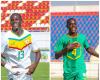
(74,32)
(16,29)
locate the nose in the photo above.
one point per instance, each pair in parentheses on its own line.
(15,20)
(15,24)
(73,24)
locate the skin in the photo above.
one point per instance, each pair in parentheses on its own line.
(71,25)
(16,21)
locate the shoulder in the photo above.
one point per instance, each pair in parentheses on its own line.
(63,38)
(81,35)
(8,34)
(5,35)
(26,32)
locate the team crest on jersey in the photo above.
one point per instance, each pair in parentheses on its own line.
(75,53)
(19,43)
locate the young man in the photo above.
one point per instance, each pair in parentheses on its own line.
(16,48)
(71,47)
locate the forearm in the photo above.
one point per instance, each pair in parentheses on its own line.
(92,52)
(33,66)
(60,53)
(37,59)
(2,55)
(2,60)
(3,63)
(96,54)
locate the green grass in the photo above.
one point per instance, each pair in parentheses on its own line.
(62,79)
(41,73)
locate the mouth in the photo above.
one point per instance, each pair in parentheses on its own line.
(15,27)
(16,24)
(73,29)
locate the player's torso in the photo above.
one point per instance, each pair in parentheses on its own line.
(77,52)
(18,48)
(75,58)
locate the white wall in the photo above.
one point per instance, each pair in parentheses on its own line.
(56,70)
(74,6)
(42,39)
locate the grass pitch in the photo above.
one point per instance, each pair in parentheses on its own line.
(41,72)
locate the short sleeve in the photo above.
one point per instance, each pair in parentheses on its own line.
(86,44)
(58,46)
(34,46)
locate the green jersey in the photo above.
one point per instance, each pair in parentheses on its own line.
(74,59)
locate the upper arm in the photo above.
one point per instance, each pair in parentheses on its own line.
(3,44)
(35,46)
(58,46)
(35,51)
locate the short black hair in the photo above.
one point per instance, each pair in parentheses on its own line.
(15,14)
(68,21)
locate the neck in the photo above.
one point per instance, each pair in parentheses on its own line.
(72,34)
(18,32)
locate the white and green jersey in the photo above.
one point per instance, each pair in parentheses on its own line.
(18,49)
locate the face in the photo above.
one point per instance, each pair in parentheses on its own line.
(72,26)
(15,22)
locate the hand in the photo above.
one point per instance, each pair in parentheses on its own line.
(76,45)
(72,46)
(20,71)
(12,69)
(31,69)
